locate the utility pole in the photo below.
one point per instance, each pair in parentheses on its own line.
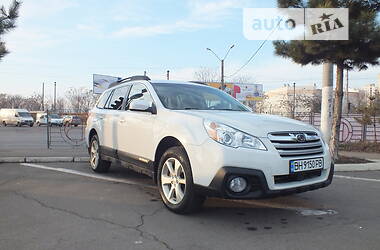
(294,100)
(55,94)
(222,85)
(347,94)
(43,96)
(327,101)
(222,75)
(167,75)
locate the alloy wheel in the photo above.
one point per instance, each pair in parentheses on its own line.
(173,181)
(94,154)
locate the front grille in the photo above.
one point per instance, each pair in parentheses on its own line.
(296,144)
(278,179)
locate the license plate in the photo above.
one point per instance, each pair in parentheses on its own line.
(305,165)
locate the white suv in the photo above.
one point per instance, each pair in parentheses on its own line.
(197,141)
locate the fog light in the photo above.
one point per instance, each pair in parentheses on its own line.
(237,184)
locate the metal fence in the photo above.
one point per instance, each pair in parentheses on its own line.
(72,134)
(64,128)
(350,129)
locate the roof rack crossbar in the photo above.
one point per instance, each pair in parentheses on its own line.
(128,79)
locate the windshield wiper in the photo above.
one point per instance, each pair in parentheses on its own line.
(226,109)
(187,108)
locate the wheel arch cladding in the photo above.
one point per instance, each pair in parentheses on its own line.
(92,133)
(165,143)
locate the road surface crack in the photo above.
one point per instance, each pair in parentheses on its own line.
(143,234)
(11,180)
(154,237)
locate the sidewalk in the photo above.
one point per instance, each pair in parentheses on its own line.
(38,154)
(363,155)
(373,166)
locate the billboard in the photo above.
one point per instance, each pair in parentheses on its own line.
(242,92)
(102,82)
(248,92)
(229,86)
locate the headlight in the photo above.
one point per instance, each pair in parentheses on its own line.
(232,137)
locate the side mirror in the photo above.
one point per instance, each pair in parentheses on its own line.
(142,105)
(16,115)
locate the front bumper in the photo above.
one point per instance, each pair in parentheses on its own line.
(210,157)
(27,123)
(258,186)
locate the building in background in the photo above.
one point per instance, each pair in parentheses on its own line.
(288,99)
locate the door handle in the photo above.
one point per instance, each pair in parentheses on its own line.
(121,121)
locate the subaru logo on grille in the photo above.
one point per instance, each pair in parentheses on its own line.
(301,137)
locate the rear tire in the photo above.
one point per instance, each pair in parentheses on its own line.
(96,162)
(175,182)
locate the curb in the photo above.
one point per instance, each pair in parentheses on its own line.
(33,159)
(373,166)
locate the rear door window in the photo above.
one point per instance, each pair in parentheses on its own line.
(116,101)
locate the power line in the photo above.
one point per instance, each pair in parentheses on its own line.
(258,49)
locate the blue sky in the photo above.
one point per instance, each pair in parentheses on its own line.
(67,41)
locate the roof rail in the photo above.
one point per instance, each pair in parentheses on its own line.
(128,79)
(198,82)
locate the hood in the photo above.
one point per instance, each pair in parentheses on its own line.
(254,124)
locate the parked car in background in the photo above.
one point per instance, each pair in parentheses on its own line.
(54,119)
(197,141)
(16,117)
(72,120)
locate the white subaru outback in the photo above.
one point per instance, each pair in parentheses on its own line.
(197,141)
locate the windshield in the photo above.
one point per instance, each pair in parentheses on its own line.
(54,116)
(198,97)
(24,114)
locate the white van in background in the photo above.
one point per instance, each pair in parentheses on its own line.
(54,119)
(17,117)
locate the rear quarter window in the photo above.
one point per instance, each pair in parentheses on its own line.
(103,99)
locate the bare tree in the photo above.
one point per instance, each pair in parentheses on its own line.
(80,99)
(206,75)
(304,103)
(263,106)
(33,102)
(244,79)
(60,104)
(14,101)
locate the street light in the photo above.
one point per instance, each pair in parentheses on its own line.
(222,64)
(43,95)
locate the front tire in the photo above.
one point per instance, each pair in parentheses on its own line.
(96,162)
(175,182)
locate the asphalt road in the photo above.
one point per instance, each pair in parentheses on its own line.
(67,206)
(32,141)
